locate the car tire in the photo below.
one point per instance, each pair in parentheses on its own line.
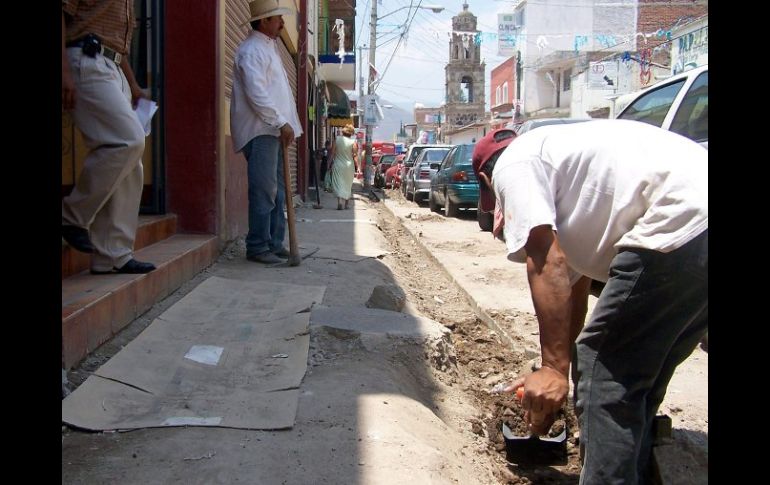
(432,202)
(409,194)
(486,219)
(450,209)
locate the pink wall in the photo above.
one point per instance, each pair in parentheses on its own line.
(506,71)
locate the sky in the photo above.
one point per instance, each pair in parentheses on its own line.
(414,73)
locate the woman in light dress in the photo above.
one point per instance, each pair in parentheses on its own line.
(345,165)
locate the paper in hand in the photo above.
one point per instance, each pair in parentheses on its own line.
(145,110)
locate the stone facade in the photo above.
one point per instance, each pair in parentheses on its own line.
(464,73)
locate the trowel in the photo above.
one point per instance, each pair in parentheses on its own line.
(534,450)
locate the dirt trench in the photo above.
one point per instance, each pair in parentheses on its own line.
(482,358)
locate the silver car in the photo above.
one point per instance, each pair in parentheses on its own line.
(411,157)
(418,181)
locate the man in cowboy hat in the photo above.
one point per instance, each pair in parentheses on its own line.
(263,121)
(589,201)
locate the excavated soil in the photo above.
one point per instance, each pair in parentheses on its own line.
(483,358)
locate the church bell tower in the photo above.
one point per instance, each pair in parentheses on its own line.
(464,73)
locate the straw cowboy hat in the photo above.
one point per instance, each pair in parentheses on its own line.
(260,9)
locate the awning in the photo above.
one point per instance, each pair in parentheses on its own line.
(338,102)
(340,121)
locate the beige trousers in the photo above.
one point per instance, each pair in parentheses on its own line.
(108,191)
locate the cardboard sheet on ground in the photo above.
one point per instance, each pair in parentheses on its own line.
(231,353)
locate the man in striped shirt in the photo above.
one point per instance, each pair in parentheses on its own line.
(100,91)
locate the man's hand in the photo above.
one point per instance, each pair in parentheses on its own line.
(287,134)
(136,93)
(544,393)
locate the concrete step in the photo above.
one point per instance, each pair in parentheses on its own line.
(96,307)
(151,230)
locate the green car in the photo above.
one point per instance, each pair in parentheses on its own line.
(454,185)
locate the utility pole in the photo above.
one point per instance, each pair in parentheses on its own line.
(360,80)
(370,91)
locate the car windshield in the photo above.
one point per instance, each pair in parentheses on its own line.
(532,124)
(434,155)
(387,158)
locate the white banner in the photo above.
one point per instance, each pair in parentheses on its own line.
(371,110)
(603,75)
(506,30)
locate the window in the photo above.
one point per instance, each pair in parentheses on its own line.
(652,107)
(692,117)
(567,79)
(519,18)
(497,96)
(447,162)
(505,92)
(466,89)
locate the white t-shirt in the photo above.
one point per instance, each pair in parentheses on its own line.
(602,185)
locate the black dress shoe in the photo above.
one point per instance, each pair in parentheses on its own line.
(131,267)
(77,237)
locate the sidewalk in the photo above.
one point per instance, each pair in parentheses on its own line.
(370,407)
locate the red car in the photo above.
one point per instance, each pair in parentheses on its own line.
(393,175)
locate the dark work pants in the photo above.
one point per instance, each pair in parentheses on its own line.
(649,318)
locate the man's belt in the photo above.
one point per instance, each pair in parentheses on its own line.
(92,45)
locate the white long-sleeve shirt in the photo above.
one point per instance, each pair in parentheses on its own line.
(262,100)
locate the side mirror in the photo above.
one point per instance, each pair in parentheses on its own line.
(434,166)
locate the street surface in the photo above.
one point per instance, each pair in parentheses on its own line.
(376,405)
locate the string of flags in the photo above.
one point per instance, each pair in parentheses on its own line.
(580,41)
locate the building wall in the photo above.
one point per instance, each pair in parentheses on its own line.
(471,134)
(690,46)
(505,71)
(589,26)
(654,15)
(191,116)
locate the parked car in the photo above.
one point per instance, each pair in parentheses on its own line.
(679,104)
(536,123)
(379,172)
(411,156)
(454,184)
(486,219)
(393,175)
(418,181)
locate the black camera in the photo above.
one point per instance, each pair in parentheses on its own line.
(92,45)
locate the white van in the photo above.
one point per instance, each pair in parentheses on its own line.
(679,104)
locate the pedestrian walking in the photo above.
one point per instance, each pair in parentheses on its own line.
(345,165)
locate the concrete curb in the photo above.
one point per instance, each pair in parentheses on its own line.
(480,312)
